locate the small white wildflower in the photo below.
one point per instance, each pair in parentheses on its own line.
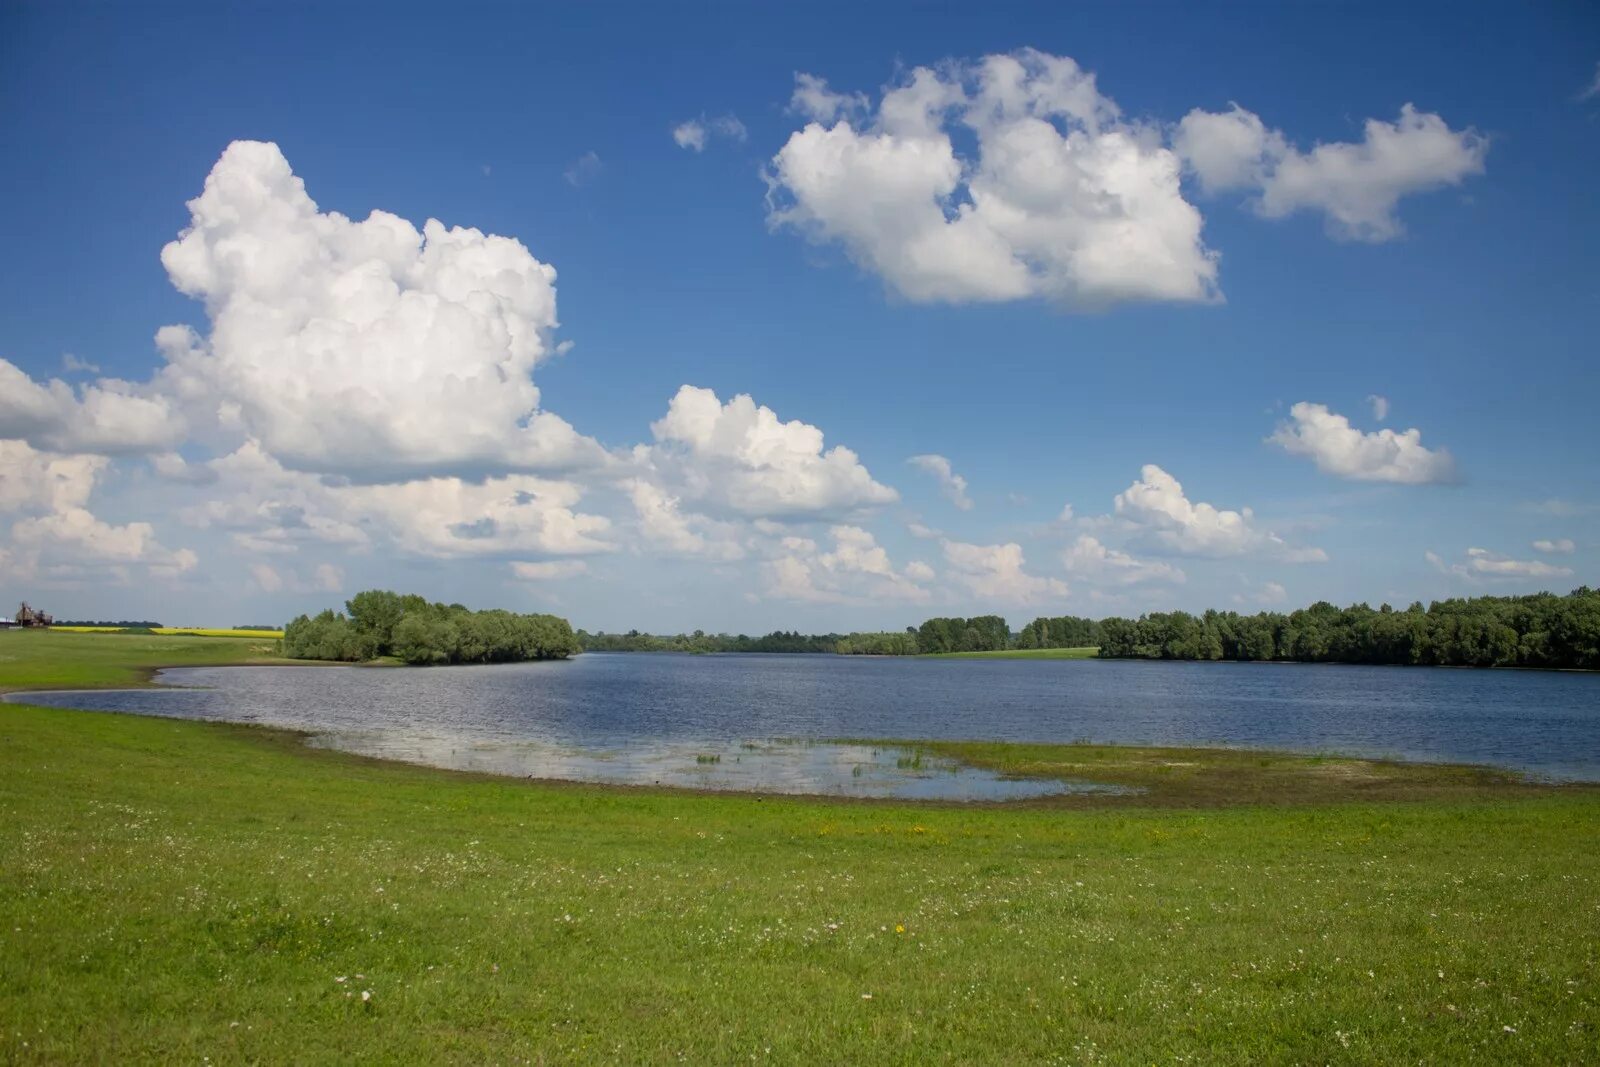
(366,995)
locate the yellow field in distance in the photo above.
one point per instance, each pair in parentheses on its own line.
(170,631)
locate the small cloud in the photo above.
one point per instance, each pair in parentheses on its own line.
(585,169)
(1380,406)
(549,569)
(71,364)
(1482,563)
(1018,499)
(1561,546)
(1066,514)
(1593,89)
(951,484)
(695,134)
(691,135)
(1338,448)
(487,170)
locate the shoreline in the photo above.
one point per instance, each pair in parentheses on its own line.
(1152,785)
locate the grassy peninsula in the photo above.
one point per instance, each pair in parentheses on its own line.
(180,891)
(1021,653)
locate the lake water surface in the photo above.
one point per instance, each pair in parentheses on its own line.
(766,722)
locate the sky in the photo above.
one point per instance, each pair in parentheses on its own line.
(742,317)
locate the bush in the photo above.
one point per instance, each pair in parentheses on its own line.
(381,623)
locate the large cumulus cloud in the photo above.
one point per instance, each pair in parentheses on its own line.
(364,348)
(1063,198)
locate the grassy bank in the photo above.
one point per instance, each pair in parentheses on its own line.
(175,891)
(1021,653)
(73,659)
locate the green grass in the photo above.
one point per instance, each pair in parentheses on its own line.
(62,659)
(1021,653)
(174,891)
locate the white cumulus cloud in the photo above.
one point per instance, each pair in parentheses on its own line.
(364,348)
(54,535)
(995,573)
(739,459)
(1157,504)
(1357,186)
(1380,456)
(265,505)
(324,578)
(666,526)
(31,480)
(856,570)
(109,417)
(1094,562)
(1561,546)
(813,100)
(1061,198)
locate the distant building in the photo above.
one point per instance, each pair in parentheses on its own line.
(28,617)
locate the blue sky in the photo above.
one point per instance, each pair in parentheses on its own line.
(1463,293)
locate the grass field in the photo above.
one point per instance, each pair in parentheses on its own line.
(1021,653)
(63,659)
(184,891)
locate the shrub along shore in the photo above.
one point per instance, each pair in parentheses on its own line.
(177,890)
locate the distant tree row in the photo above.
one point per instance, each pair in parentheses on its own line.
(1542,630)
(981,633)
(885,643)
(409,627)
(1064,631)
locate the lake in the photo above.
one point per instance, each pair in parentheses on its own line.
(771,723)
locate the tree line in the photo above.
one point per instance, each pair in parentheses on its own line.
(1541,630)
(410,628)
